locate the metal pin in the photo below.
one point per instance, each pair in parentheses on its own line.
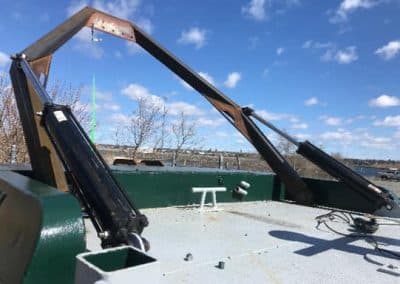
(221,265)
(104,235)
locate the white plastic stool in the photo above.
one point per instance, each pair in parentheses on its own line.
(204,191)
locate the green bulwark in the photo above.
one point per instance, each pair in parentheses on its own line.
(41,232)
(161,187)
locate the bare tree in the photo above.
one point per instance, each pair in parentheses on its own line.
(66,94)
(285,146)
(185,134)
(161,138)
(11,133)
(141,127)
(288,150)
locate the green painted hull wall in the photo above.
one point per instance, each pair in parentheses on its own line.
(54,258)
(48,226)
(149,189)
(334,194)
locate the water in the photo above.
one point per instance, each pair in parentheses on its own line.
(367,171)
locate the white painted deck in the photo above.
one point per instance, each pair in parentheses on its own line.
(263,242)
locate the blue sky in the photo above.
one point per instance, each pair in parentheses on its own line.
(327,71)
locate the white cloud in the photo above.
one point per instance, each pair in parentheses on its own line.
(332,53)
(311,101)
(302,136)
(317,44)
(385,101)
(4,59)
(76,6)
(136,92)
(280,51)
(208,77)
(346,56)
(371,141)
(348,6)
(255,9)
(210,122)
(120,118)
(390,121)
(133,48)
(139,92)
(277,116)
(355,118)
(104,96)
(119,8)
(195,36)
(185,85)
(176,108)
(333,121)
(328,55)
(118,54)
(378,143)
(111,106)
(342,56)
(307,44)
(389,50)
(232,80)
(146,25)
(300,125)
(221,134)
(362,138)
(241,141)
(341,135)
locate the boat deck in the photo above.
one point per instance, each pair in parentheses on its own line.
(264,242)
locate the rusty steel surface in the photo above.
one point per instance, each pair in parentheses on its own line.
(112,25)
(39,55)
(46,165)
(41,67)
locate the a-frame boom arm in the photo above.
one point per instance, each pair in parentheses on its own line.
(88,17)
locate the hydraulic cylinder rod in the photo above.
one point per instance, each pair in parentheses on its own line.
(249,111)
(378,195)
(114,216)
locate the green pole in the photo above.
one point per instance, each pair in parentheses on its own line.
(93,121)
